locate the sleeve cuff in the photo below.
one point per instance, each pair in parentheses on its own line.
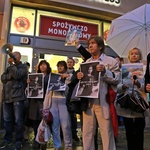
(78,46)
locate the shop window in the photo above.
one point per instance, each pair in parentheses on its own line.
(22,21)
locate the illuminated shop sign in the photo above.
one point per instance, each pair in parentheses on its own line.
(22,24)
(58,27)
(110,2)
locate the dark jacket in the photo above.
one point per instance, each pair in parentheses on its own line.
(14,81)
(84,52)
(77,106)
(147,73)
(36,104)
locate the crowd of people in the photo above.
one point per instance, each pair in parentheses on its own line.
(94,112)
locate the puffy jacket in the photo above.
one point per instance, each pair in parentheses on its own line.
(14,83)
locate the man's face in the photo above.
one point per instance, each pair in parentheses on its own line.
(93,47)
(70,63)
(17,56)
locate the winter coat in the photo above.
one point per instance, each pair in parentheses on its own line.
(14,83)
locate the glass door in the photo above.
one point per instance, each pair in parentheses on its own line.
(53,57)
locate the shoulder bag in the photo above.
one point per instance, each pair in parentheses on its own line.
(133,101)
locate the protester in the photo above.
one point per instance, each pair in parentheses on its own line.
(13,97)
(27,121)
(60,114)
(36,105)
(79,106)
(98,109)
(134,122)
(147,78)
(71,72)
(120,60)
(28,66)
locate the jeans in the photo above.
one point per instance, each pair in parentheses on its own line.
(61,118)
(11,110)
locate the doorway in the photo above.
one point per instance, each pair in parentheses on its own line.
(54,56)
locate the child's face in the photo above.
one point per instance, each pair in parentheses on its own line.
(60,69)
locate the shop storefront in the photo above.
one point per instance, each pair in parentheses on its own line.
(38,34)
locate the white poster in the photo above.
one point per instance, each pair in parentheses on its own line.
(56,83)
(35,87)
(72,37)
(132,71)
(89,84)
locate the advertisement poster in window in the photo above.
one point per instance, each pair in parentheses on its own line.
(23,20)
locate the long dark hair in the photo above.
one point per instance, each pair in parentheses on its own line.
(47,64)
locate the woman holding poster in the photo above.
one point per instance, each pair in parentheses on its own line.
(36,104)
(134,121)
(60,114)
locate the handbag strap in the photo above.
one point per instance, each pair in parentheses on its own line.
(134,78)
(47,100)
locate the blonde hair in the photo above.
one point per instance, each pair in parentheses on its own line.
(135,48)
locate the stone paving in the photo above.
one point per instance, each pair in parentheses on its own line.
(121,141)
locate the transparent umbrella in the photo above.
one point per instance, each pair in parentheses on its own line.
(131,30)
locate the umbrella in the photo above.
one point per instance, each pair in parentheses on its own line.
(110,52)
(131,30)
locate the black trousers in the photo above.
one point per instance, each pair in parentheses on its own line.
(134,133)
(73,124)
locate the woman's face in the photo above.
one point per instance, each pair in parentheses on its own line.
(90,70)
(61,69)
(134,56)
(36,79)
(43,68)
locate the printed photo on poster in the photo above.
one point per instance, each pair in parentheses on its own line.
(72,37)
(130,71)
(35,87)
(56,83)
(89,85)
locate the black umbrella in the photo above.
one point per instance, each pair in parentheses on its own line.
(110,52)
